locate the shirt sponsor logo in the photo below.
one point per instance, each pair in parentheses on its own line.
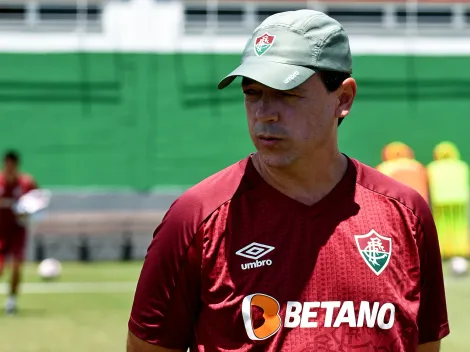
(375,249)
(255,251)
(304,314)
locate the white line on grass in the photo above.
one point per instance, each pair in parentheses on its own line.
(117,287)
(72,287)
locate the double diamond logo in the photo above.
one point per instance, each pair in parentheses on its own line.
(254,250)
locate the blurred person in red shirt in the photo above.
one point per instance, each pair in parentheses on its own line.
(13,227)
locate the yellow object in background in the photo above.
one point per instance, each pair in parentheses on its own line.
(450,194)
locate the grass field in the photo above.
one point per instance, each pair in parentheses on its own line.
(87,310)
(90,314)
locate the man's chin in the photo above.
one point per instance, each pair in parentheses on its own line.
(275,160)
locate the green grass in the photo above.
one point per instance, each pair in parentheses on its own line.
(458,306)
(73,322)
(94,272)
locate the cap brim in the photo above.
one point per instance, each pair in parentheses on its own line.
(276,75)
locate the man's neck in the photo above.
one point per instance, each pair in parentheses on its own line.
(306,181)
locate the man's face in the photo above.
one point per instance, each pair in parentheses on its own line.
(10,167)
(287,125)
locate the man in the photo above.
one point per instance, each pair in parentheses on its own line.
(297,247)
(399,163)
(13,184)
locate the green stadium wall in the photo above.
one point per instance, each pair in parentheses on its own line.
(145,121)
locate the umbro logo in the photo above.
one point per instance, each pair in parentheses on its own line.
(255,251)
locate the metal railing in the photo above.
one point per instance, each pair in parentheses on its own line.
(431,17)
(51,15)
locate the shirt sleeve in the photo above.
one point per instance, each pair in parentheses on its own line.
(433,322)
(29,184)
(167,297)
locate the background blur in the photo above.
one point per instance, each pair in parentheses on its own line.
(113,106)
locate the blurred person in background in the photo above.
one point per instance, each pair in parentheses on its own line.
(450,195)
(296,247)
(13,227)
(399,163)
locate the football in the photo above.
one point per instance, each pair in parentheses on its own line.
(459,266)
(49,269)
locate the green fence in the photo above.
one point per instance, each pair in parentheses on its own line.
(154,120)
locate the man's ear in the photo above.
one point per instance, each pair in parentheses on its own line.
(346,94)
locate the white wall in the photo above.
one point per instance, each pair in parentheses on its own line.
(148,26)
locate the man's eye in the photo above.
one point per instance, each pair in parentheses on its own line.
(250,92)
(287,94)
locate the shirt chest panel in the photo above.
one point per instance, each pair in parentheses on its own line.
(11,191)
(305,259)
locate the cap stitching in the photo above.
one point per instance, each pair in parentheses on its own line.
(318,46)
(329,35)
(313,17)
(314,48)
(323,42)
(274,25)
(280,61)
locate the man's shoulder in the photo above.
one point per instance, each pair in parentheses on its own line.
(27,180)
(382,186)
(202,199)
(25,177)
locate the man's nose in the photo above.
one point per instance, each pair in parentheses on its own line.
(267,110)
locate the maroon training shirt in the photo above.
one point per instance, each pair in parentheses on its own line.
(9,194)
(12,232)
(237,265)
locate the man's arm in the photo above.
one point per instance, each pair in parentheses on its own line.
(433,323)
(134,344)
(167,297)
(427,347)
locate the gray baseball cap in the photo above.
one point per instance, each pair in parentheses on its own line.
(289,47)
